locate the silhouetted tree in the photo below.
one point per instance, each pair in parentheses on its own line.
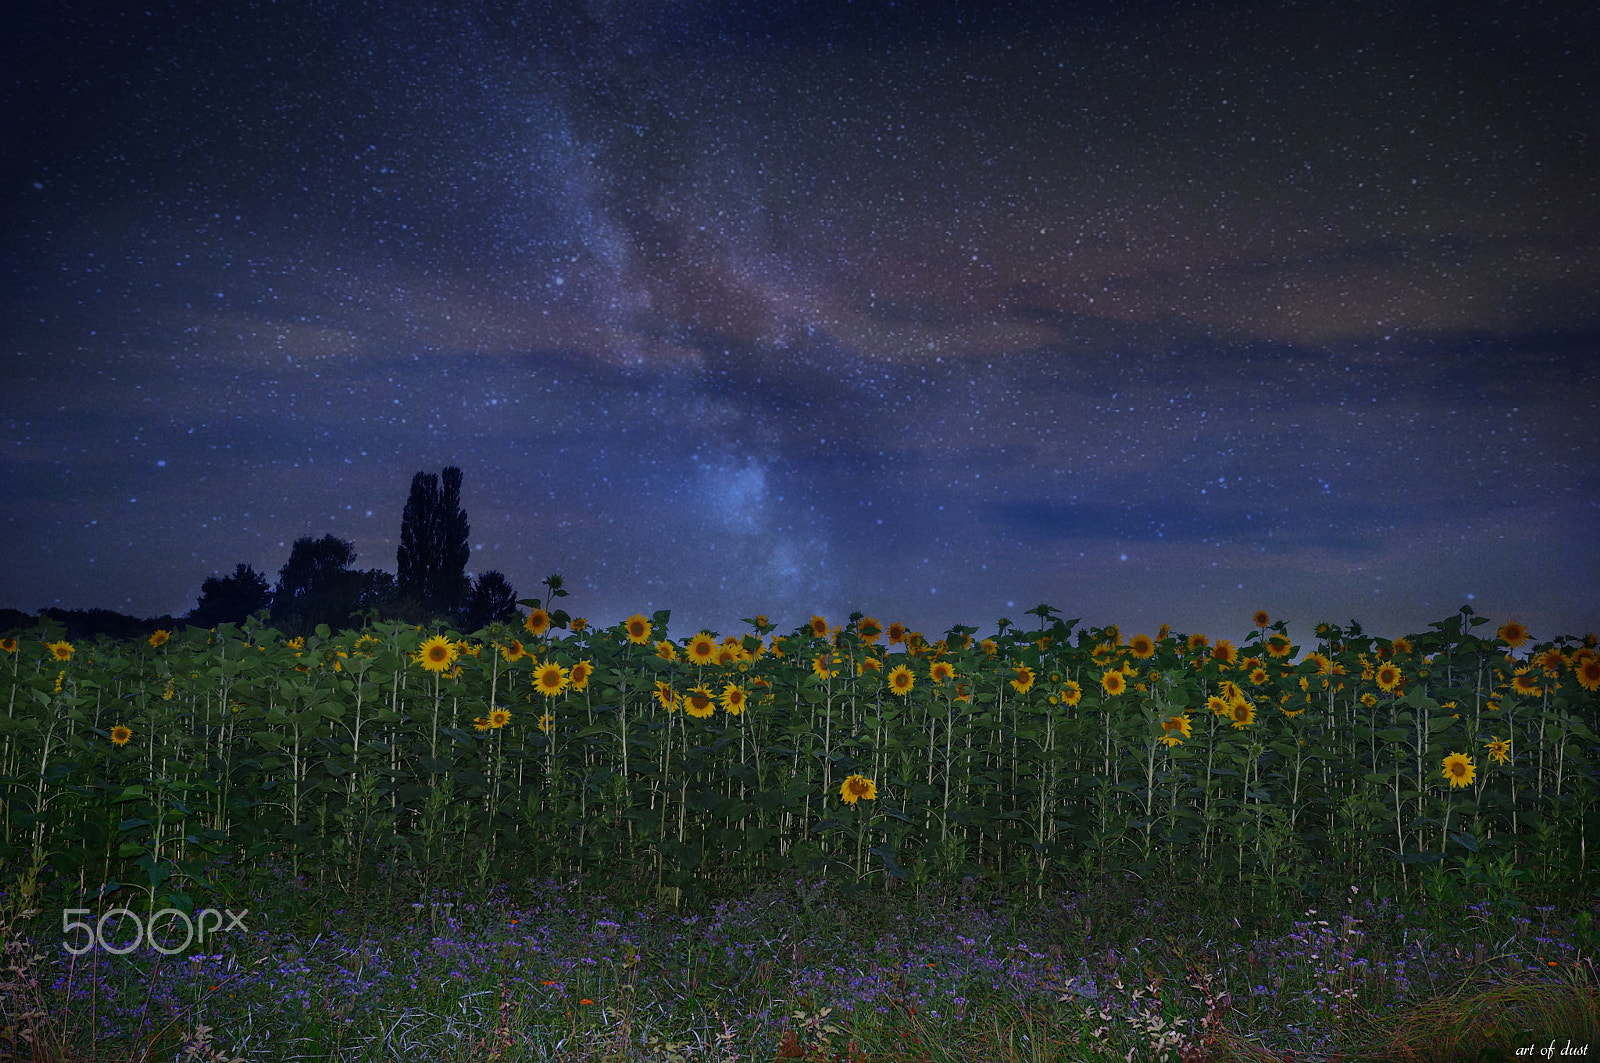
(316,585)
(492,600)
(432,559)
(231,599)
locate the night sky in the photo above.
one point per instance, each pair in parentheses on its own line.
(1150,311)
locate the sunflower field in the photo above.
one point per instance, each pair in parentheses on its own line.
(859,751)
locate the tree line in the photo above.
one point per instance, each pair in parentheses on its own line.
(320,585)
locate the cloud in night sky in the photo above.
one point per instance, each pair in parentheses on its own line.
(1149,311)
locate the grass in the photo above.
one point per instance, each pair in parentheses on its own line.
(603,970)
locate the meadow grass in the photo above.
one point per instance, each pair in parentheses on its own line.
(603,969)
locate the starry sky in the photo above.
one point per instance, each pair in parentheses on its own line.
(1153,311)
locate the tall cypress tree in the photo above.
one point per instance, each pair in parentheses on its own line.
(432,558)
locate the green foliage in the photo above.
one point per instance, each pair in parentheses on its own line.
(1016,759)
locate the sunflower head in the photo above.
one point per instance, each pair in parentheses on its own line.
(857,788)
(499,717)
(1387,677)
(1022,678)
(1114,682)
(537,622)
(638,628)
(436,654)
(702,648)
(819,627)
(1459,770)
(1512,633)
(699,703)
(1262,619)
(1142,646)
(941,671)
(578,675)
(120,736)
(900,681)
(550,679)
(59,651)
(159,639)
(1588,673)
(1242,713)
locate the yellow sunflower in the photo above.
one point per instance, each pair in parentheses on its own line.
(513,650)
(1176,729)
(869,664)
(1588,673)
(1258,675)
(1262,619)
(858,788)
(159,639)
(1242,713)
(480,724)
(702,648)
(578,675)
(436,654)
(1387,677)
(549,679)
(1512,633)
(1143,647)
(537,622)
(9,644)
(60,651)
(1071,692)
(733,699)
(1023,681)
(699,703)
(546,723)
(900,680)
(666,651)
(941,671)
(819,627)
(638,628)
(822,664)
(1526,683)
(1114,682)
(1459,769)
(869,629)
(1279,645)
(1224,653)
(897,633)
(1499,750)
(120,736)
(666,697)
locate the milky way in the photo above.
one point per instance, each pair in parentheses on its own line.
(1151,312)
